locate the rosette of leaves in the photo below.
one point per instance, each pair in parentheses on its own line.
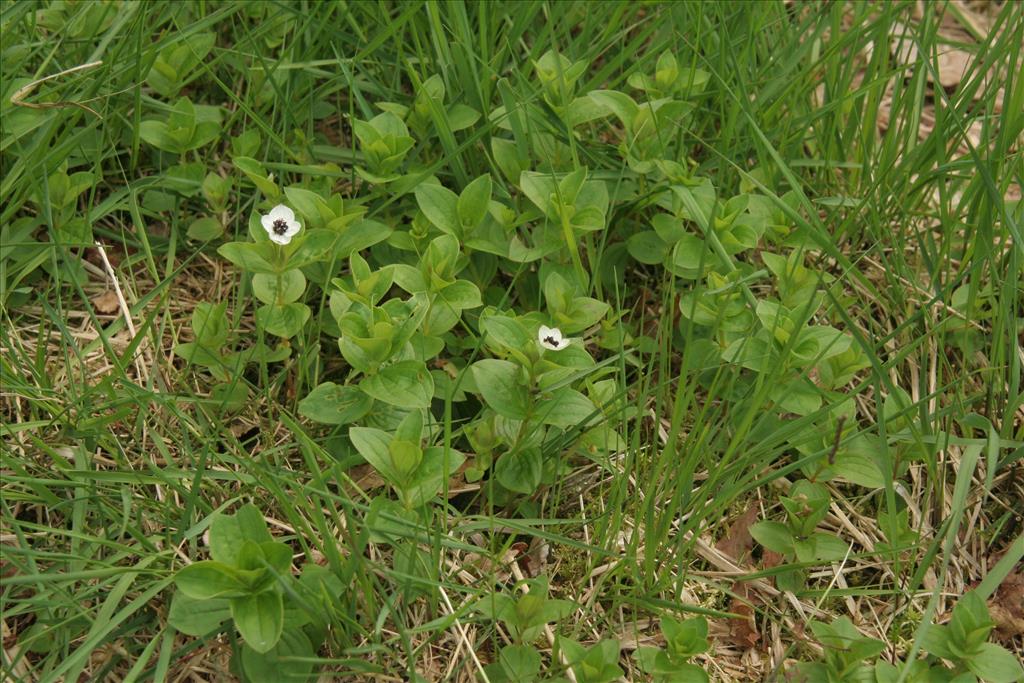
(377,341)
(211,348)
(797,538)
(525,615)
(435,279)
(558,76)
(175,63)
(566,207)
(352,231)
(672,245)
(536,409)
(843,451)
(428,107)
(849,656)
(649,128)
(60,196)
(669,79)
(595,664)
(416,472)
(384,142)
(571,313)
(282,619)
(683,640)
(185,128)
(787,343)
(472,217)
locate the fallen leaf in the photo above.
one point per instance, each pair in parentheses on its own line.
(737,542)
(106,303)
(1007,606)
(742,628)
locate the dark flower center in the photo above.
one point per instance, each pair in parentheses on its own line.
(551,340)
(279,227)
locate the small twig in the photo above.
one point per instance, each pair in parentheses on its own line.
(21,93)
(838,439)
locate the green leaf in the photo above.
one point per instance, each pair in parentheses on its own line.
(373,444)
(429,477)
(205,229)
(775,536)
(360,235)
(566,408)
(210,324)
(284,321)
(209,579)
(279,289)
(406,384)
(500,384)
(259,618)
(228,532)
(860,469)
(829,548)
(312,246)
(255,258)
(439,205)
(461,294)
(197,617)
(282,661)
(334,404)
(621,105)
(520,471)
(307,204)
(687,255)
(520,662)
(461,117)
(995,664)
(255,172)
(473,202)
(647,247)
(506,331)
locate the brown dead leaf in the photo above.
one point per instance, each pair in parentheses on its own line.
(770,559)
(953,65)
(743,629)
(106,303)
(737,542)
(1007,606)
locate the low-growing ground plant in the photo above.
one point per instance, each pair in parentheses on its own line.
(564,341)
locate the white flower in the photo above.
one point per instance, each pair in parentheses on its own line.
(551,338)
(280,224)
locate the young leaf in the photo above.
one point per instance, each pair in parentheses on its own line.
(334,404)
(521,470)
(288,660)
(406,384)
(439,205)
(775,536)
(209,579)
(197,617)
(259,618)
(500,383)
(473,202)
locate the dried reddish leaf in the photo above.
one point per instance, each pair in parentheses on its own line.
(743,629)
(1007,606)
(737,542)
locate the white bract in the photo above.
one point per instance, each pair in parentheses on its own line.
(280,224)
(551,338)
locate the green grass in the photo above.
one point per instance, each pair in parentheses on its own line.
(115,457)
